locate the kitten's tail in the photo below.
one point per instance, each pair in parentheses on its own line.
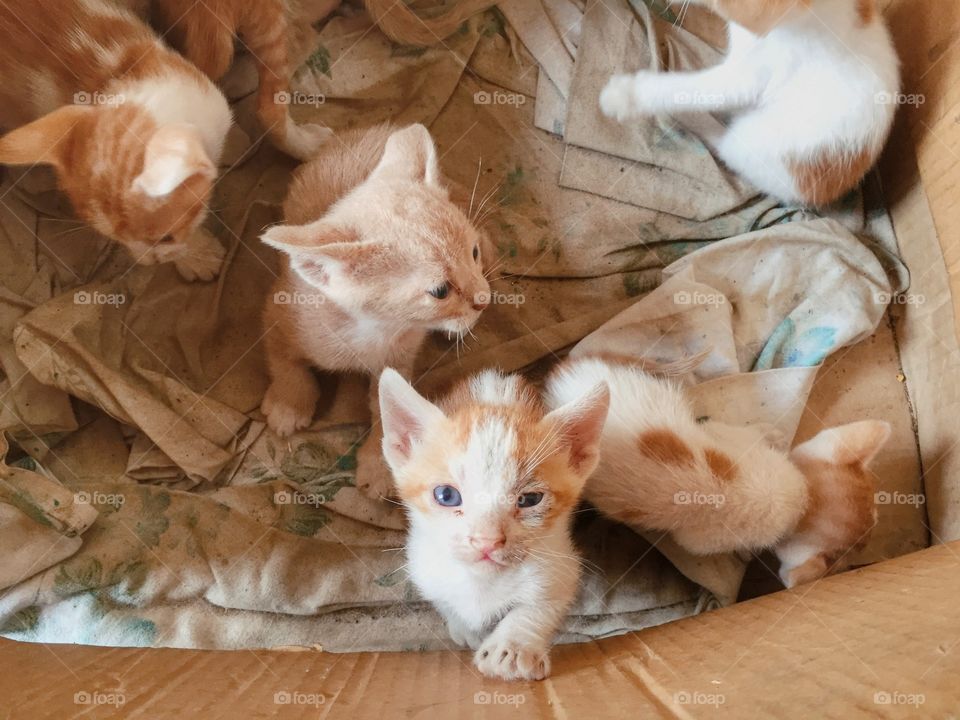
(401,24)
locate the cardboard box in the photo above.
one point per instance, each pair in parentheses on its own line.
(877,642)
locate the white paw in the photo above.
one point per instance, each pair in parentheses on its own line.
(373,476)
(512,660)
(285,417)
(463,635)
(303,141)
(202,258)
(618,97)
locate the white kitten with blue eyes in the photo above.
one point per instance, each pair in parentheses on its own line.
(489,481)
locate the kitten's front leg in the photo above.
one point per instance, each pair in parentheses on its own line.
(461,633)
(291,399)
(202,257)
(519,646)
(720,89)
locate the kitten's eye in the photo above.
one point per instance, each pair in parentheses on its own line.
(530,499)
(167,239)
(476,252)
(447,495)
(441,291)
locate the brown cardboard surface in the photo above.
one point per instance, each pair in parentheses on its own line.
(879,642)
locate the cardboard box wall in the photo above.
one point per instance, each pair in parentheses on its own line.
(878,642)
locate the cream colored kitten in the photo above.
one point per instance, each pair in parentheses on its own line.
(378,256)
(721,488)
(489,482)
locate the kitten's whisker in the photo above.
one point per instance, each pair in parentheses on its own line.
(476,181)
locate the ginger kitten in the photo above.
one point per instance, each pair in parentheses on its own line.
(205,33)
(722,488)
(809,88)
(489,482)
(377,257)
(133,131)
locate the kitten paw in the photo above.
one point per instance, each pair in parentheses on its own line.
(303,141)
(618,98)
(373,476)
(286,416)
(463,635)
(512,660)
(202,259)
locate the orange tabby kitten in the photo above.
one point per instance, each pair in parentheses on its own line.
(489,482)
(378,257)
(133,131)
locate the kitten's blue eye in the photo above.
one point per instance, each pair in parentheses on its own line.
(529,499)
(441,291)
(447,495)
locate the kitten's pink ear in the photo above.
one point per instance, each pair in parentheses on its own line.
(173,155)
(580,424)
(43,141)
(406,417)
(854,444)
(319,250)
(410,155)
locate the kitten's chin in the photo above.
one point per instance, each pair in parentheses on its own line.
(459,326)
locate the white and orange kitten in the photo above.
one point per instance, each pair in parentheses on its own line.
(378,256)
(133,131)
(810,88)
(722,488)
(489,482)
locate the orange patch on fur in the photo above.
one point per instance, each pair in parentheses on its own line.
(827,177)
(721,465)
(665,447)
(866,11)
(757,16)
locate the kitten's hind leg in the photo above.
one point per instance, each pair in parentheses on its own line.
(292,397)
(265,31)
(724,88)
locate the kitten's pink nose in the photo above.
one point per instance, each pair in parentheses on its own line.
(479,305)
(486,544)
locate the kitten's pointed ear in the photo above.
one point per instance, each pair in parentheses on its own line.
(319,250)
(173,155)
(44,141)
(854,444)
(410,155)
(580,424)
(406,417)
